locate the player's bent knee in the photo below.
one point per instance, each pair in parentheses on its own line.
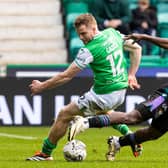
(133,117)
(155,133)
(130,118)
(154,136)
(65,116)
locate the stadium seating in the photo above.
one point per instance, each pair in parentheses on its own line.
(162,7)
(163,32)
(74,46)
(74,43)
(133,4)
(153,2)
(163,18)
(72,9)
(31,32)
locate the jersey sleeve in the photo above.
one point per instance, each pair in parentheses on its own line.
(83,58)
(122,35)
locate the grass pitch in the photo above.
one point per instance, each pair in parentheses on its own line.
(14,151)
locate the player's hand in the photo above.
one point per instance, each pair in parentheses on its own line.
(114,23)
(145,25)
(132,81)
(35,87)
(135,36)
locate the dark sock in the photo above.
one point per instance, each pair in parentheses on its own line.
(48,147)
(128,140)
(99,121)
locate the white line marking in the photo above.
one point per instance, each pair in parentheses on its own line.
(162,74)
(17,136)
(23,74)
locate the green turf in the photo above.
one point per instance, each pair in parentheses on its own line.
(14,151)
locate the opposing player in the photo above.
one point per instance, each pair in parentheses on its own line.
(162,42)
(103,51)
(155,107)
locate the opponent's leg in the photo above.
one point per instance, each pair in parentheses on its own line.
(79,124)
(128,118)
(113,147)
(120,119)
(133,140)
(140,136)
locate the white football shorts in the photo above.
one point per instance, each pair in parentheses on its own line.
(92,104)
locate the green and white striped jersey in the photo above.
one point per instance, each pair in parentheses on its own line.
(104,54)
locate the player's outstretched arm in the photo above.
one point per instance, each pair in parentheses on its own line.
(63,77)
(162,42)
(135,52)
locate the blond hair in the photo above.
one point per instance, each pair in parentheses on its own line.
(85,19)
(145,1)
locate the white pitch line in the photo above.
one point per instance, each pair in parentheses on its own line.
(17,136)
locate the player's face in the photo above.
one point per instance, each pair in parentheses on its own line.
(86,33)
(143,4)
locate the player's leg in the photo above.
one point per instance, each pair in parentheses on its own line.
(60,126)
(90,103)
(102,103)
(158,127)
(106,120)
(151,108)
(133,140)
(56,132)
(122,128)
(140,136)
(128,118)
(120,119)
(117,98)
(141,113)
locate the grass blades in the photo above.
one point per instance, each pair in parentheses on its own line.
(14,151)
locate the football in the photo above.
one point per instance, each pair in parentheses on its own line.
(74,150)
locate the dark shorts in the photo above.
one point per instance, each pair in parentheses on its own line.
(158,113)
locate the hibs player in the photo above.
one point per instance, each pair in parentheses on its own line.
(103,51)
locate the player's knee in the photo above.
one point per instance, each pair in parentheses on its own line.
(155,133)
(64,116)
(130,119)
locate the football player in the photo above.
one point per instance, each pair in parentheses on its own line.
(155,107)
(161,42)
(103,51)
(136,116)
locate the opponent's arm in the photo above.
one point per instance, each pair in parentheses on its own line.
(161,42)
(63,77)
(135,52)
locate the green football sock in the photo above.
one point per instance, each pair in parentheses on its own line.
(48,146)
(122,128)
